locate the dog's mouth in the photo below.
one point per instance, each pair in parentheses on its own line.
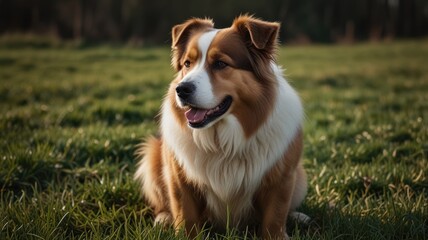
(199,118)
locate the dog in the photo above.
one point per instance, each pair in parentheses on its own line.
(230,133)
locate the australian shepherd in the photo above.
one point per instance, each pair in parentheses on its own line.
(230,133)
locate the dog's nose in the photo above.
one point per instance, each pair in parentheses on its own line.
(185,90)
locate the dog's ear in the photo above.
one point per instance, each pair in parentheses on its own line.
(257,33)
(181,34)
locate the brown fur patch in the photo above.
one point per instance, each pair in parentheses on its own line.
(182,33)
(249,81)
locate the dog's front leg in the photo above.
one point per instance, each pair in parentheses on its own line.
(274,205)
(186,204)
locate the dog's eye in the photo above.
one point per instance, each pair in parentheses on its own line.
(219,65)
(187,63)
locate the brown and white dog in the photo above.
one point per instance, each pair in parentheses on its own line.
(231,133)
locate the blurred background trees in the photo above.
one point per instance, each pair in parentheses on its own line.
(150,21)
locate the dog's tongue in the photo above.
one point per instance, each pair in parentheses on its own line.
(195,115)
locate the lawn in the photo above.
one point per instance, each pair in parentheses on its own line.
(71,118)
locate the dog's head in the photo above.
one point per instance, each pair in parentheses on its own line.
(224,71)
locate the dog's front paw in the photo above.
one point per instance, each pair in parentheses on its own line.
(163,218)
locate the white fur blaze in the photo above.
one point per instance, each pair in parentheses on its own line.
(204,95)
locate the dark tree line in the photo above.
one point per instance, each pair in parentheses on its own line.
(151,20)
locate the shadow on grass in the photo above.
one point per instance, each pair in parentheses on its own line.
(331,223)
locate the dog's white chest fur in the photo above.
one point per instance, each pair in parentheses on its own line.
(227,165)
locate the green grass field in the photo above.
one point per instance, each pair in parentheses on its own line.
(71,118)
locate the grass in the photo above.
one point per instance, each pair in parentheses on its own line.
(71,118)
